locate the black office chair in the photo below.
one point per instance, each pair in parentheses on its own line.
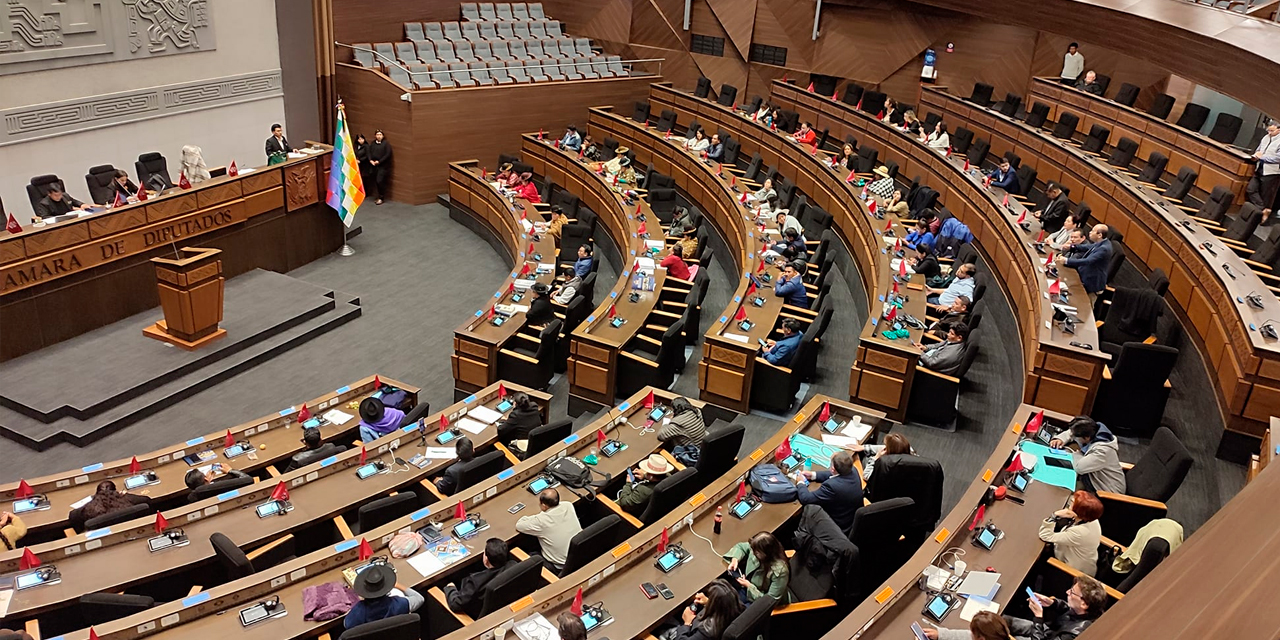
(728,95)
(567,202)
(1162,106)
(300,460)
(595,540)
(641,112)
(826,563)
(719,450)
(852,95)
(978,152)
(1246,222)
(645,361)
(1026,179)
(961,138)
(153,171)
(751,106)
(1132,401)
(1156,163)
(670,492)
(101,608)
(789,121)
(530,361)
(80,525)
(731,150)
(1214,208)
(1226,128)
(516,581)
(1010,105)
(981,94)
(873,102)
(1154,553)
(1181,185)
(1152,481)
(902,475)
(666,121)
(774,388)
(1133,317)
(212,489)
(99,182)
(608,149)
(38,188)
(1037,116)
(1127,94)
(931,120)
(1104,82)
(703,89)
(753,622)
(868,158)
(372,515)
(1015,160)
(935,397)
(885,535)
(402,627)
(1269,251)
(481,468)
(548,435)
(1193,117)
(1066,127)
(1096,141)
(234,561)
(1123,153)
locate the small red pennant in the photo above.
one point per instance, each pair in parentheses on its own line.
(161,523)
(281,492)
(28,560)
(662,542)
(825,415)
(1022,217)
(228,440)
(232,170)
(742,490)
(364,454)
(1055,288)
(873,207)
(600,437)
(784,450)
(183,181)
(24,490)
(142,194)
(741,314)
(305,414)
(902,268)
(576,607)
(1005,201)
(366,551)
(642,229)
(502,391)
(134,465)
(93,634)
(648,401)
(11,225)
(613,311)
(377,383)
(810,87)
(444,422)
(1033,425)
(966,165)
(120,200)
(850,178)
(460,512)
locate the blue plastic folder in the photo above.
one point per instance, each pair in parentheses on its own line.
(1047,473)
(818,452)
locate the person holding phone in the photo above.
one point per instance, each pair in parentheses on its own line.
(841,492)
(218,474)
(1056,619)
(762,563)
(780,352)
(984,626)
(634,497)
(448,483)
(1075,532)
(713,610)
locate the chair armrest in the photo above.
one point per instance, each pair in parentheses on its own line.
(270,547)
(1106,372)
(1112,543)
(195,588)
(613,506)
(666,314)
(438,594)
(522,555)
(1063,567)
(344,529)
(765,363)
(33,628)
(1126,465)
(734,170)
(1141,502)
(1257,265)
(644,361)
(1242,251)
(1233,243)
(520,356)
(431,488)
(273,472)
(808,605)
(656,343)
(798,310)
(671,278)
(507,453)
(940,376)
(672,459)
(1267,276)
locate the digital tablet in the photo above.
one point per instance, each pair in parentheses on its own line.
(538,484)
(937,608)
(1061,463)
(669,560)
(1019,483)
(986,539)
(367,470)
(741,508)
(464,528)
(269,508)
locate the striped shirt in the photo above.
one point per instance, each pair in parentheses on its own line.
(684,428)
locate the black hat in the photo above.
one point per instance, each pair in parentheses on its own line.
(375,581)
(541,288)
(371,409)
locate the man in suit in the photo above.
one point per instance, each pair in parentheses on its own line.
(790,285)
(56,203)
(540,309)
(277,142)
(957,312)
(448,483)
(841,492)
(468,595)
(1094,258)
(1005,177)
(945,357)
(316,449)
(780,352)
(715,152)
(1090,84)
(1056,211)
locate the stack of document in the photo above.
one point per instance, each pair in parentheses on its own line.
(337,417)
(484,415)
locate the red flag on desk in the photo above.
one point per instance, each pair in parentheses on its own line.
(232,170)
(444,421)
(28,560)
(662,542)
(1040,236)
(134,465)
(539,134)
(743,199)
(502,391)
(366,551)
(880,115)
(524,271)
(835,95)
(642,229)
(666,135)
(460,512)
(825,415)
(93,634)
(24,490)
(873,207)
(580,152)
(305,414)
(556,144)
(511,287)
(742,490)
(813,151)
(1022,217)
(893,313)
(524,215)
(784,450)
(733,181)
(735,105)
(1005,201)
(784,77)
(760,268)
(281,492)
(613,311)
(741,314)
(600,437)
(1055,288)
(638,211)
(986,182)
(719,168)
(895,287)
(1033,425)
(228,440)
(858,107)
(888,224)
(966,165)
(529,251)
(161,523)
(648,401)
(948,152)
(897,244)
(851,176)
(576,607)
(364,455)
(635,266)
(615,179)
(11,225)
(751,287)
(773,126)
(377,384)
(120,200)
(1048,259)
(142,194)
(1015,465)
(977,517)
(810,87)
(484,173)
(902,268)
(183,181)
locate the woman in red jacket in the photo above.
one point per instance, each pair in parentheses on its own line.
(527,189)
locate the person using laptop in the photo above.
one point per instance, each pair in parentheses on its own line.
(984,626)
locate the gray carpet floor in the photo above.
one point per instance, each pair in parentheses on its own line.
(419,274)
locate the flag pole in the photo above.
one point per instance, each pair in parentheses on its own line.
(342,137)
(346,251)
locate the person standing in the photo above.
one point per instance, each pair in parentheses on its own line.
(1093,263)
(277,146)
(1261,189)
(362,159)
(1072,64)
(380,159)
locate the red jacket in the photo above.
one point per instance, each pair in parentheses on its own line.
(675,267)
(806,137)
(529,191)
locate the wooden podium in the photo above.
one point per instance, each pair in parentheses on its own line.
(190,290)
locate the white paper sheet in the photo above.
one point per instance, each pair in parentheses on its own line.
(839,441)
(440,453)
(978,583)
(426,564)
(337,417)
(471,426)
(974,604)
(738,337)
(76,505)
(484,414)
(856,430)
(6,597)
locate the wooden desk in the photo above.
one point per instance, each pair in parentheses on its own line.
(728,363)
(476,343)
(113,558)
(271,217)
(203,617)
(614,578)
(1244,365)
(595,344)
(1059,376)
(282,442)
(1217,163)
(890,610)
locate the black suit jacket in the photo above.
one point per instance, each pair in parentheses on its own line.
(274,146)
(468,597)
(452,476)
(540,311)
(1054,213)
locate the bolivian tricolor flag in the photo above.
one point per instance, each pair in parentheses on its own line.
(346,191)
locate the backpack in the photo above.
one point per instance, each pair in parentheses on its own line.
(687,454)
(772,484)
(573,473)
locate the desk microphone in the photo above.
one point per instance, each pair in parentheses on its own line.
(1253,299)
(1268,330)
(1227,268)
(1208,246)
(422,431)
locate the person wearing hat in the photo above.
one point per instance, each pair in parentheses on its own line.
(582,266)
(377,419)
(635,495)
(505,177)
(882,186)
(526,189)
(688,242)
(627,173)
(614,165)
(381,597)
(540,310)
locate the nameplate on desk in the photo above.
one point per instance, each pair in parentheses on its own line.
(613,294)
(875,322)
(97,533)
(799,417)
(697,499)
(345,545)
(328,461)
(724,319)
(91,468)
(343,390)
(409,428)
(522,603)
(506,473)
(420,514)
(624,406)
(469,399)
(573,437)
(191,601)
(195,441)
(881,298)
(285,412)
(223,497)
(757,454)
(884,595)
(988,475)
(942,536)
(621,550)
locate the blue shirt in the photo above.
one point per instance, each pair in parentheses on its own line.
(784,349)
(376,609)
(715,152)
(916,238)
(793,290)
(959,287)
(1007,180)
(582,266)
(571,141)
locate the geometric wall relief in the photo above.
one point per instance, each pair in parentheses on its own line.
(48,34)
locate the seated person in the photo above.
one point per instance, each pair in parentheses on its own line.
(919,235)
(675,265)
(698,143)
(894,444)
(896,206)
(680,219)
(762,112)
(790,285)
(805,135)
(558,220)
(1090,260)
(688,243)
(122,188)
(12,529)
(1097,454)
(985,625)
(957,312)
(713,610)
(1065,238)
(847,158)
(1004,176)
(614,165)
(1089,83)
(565,291)
(572,140)
(377,419)
(540,310)
(769,206)
(525,188)
(931,216)
(316,449)
(448,482)
(506,176)
(1053,214)
(911,123)
(715,151)
(555,524)
(219,474)
(626,174)
(525,416)
(763,192)
(686,426)
(57,203)
(890,112)
(786,221)
(589,149)
(924,263)
(940,299)
(781,352)
(792,246)
(882,186)
(841,492)
(938,139)
(1056,619)
(381,597)
(945,357)
(582,266)
(468,595)
(763,564)
(570,627)
(1075,532)
(635,495)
